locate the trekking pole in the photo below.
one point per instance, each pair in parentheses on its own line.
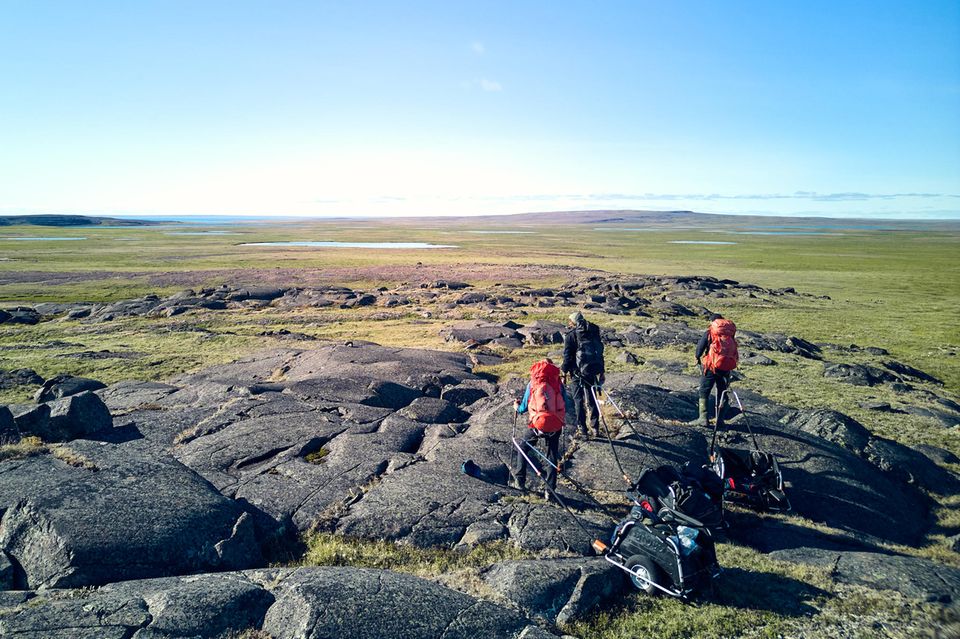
(629,423)
(553,493)
(602,419)
(513,436)
(577,485)
(753,436)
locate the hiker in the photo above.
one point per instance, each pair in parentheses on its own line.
(545,401)
(716,356)
(583,361)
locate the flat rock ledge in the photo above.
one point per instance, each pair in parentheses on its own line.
(294,603)
(913,577)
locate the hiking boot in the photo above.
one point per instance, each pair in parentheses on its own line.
(731,415)
(515,484)
(701,421)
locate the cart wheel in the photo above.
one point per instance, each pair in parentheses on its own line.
(648,570)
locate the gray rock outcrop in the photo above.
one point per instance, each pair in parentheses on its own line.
(89,513)
(911,576)
(556,591)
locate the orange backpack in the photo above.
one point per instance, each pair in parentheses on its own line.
(546,406)
(723,355)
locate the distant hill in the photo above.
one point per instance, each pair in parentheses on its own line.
(72,220)
(673,218)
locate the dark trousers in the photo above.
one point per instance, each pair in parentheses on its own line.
(552,441)
(720,379)
(583,404)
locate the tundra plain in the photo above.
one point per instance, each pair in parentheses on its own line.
(864,294)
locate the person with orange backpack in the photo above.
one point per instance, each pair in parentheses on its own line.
(545,402)
(717,356)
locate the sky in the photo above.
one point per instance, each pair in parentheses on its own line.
(847,109)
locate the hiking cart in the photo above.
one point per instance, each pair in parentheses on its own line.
(750,478)
(662,550)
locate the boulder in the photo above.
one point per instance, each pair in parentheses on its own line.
(255,293)
(909,371)
(31,418)
(432,410)
(556,591)
(943,418)
(64,386)
(19,377)
(541,332)
(90,513)
(670,309)
(6,572)
(127,308)
(937,454)
(756,359)
(479,332)
(9,433)
(312,603)
(462,395)
(660,335)
(74,416)
(856,374)
(471,298)
(211,605)
(831,426)
(20,315)
(626,357)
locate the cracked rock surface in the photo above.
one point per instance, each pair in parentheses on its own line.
(89,513)
(303,603)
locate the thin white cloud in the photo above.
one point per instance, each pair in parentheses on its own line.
(478,48)
(490,85)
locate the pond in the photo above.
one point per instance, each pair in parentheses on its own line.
(368,245)
(697,242)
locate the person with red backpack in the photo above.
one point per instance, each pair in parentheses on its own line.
(545,402)
(717,356)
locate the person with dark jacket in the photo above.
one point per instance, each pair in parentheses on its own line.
(716,356)
(583,362)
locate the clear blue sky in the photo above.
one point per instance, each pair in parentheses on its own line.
(300,108)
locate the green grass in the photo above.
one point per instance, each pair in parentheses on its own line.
(895,289)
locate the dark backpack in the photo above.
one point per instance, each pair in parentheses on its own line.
(589,353)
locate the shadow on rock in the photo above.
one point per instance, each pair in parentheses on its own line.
(751,590)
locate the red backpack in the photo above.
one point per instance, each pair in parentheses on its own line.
(546,406)
(723,355)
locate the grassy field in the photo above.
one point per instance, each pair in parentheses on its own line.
(895,289)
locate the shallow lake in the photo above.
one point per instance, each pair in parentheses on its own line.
(369,245)
(697,242)
(779,233)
